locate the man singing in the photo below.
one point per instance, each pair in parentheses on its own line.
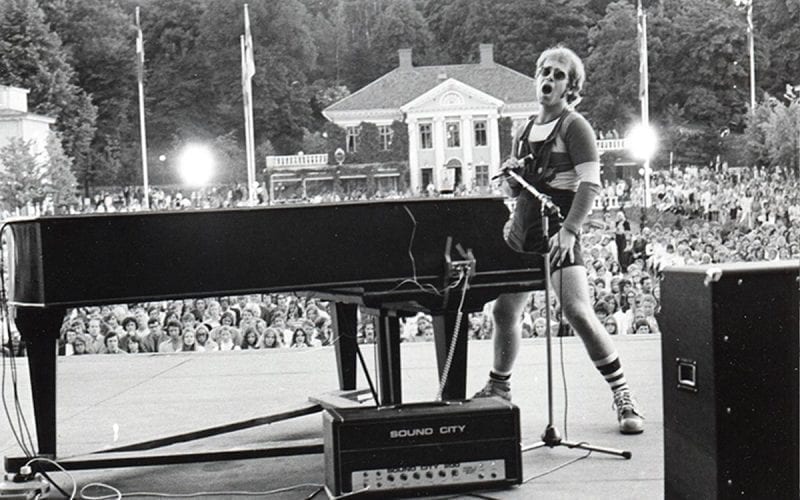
(561,161)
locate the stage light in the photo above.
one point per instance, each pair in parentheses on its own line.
(642,142)
(196,165)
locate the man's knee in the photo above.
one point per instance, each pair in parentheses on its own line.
(508,309)
(576,311)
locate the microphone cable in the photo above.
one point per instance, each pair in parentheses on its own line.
(20,430)
(456,330)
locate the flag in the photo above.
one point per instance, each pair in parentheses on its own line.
(139,49)
(641,36)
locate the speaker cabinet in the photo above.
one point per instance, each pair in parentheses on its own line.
(730,381)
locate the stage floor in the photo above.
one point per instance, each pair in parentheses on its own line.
(108,401)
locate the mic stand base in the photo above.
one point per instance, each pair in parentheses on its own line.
(552,438)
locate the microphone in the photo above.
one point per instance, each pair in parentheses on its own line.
(504,170)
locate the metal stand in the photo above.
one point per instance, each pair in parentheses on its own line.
(551,436)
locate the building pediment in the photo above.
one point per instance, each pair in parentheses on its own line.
(451,95)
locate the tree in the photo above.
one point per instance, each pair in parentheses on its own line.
(611,94)
(460,25)
(59,183)
(32,57)
(98,39)
(697,66)
(777,44)
(782,134)
(284,55)
(30,177)
(399,26)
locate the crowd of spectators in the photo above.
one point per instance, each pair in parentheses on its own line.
(698,216)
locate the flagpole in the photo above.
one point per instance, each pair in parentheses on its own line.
(140,77)
(248,70)
(644,95)
(751,44)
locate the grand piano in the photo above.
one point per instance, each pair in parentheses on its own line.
(394,257)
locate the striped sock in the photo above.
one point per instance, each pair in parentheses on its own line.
(611,369)
(499,377)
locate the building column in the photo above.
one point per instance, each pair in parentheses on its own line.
(467,140)
(494,145)
(413,155)
(439,142)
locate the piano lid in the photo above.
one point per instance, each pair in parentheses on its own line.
(135,257)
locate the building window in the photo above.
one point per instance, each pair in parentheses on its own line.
(480,133)
(482,175)
(425,136)
(385,132)
(352,139)
(426,174)
(453,134)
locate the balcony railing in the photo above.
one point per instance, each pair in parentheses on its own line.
(297,161)
(610,145)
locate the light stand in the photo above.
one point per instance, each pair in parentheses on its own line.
(551,436)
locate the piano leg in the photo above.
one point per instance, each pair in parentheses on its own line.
(345,320)
(443,332)
(39,329)
(388,353)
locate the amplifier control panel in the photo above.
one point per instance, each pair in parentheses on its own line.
(429,475)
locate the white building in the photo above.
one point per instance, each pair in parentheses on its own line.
(452,114)
(16,122)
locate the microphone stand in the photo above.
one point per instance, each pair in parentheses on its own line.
(551,436)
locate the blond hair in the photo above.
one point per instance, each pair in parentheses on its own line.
(575,70)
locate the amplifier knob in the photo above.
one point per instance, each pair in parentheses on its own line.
(390,477)
(429,475)
(416,475)
(442,473)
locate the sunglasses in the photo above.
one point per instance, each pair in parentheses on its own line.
(557,73)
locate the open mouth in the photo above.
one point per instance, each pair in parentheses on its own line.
(547,88)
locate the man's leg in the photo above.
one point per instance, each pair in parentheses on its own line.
(571,287)
(507,313)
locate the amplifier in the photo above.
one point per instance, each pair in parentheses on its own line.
(422,447)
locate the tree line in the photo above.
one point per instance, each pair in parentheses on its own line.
(78,59)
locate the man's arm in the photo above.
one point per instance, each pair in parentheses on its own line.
(582,149)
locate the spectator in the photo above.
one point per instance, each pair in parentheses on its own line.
(129,330)
(611,325)
(111,341)
(189,343)
(272,339)
(134,345)
(225,340)
(641,327)
(300,338)
(154,336)
(173,342)
(65,344)
(15,347)
(203,339)
(250,338)
(79,345)
(95,341)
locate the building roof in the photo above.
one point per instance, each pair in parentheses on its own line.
(403,84)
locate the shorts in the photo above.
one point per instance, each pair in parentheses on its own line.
(526,227)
